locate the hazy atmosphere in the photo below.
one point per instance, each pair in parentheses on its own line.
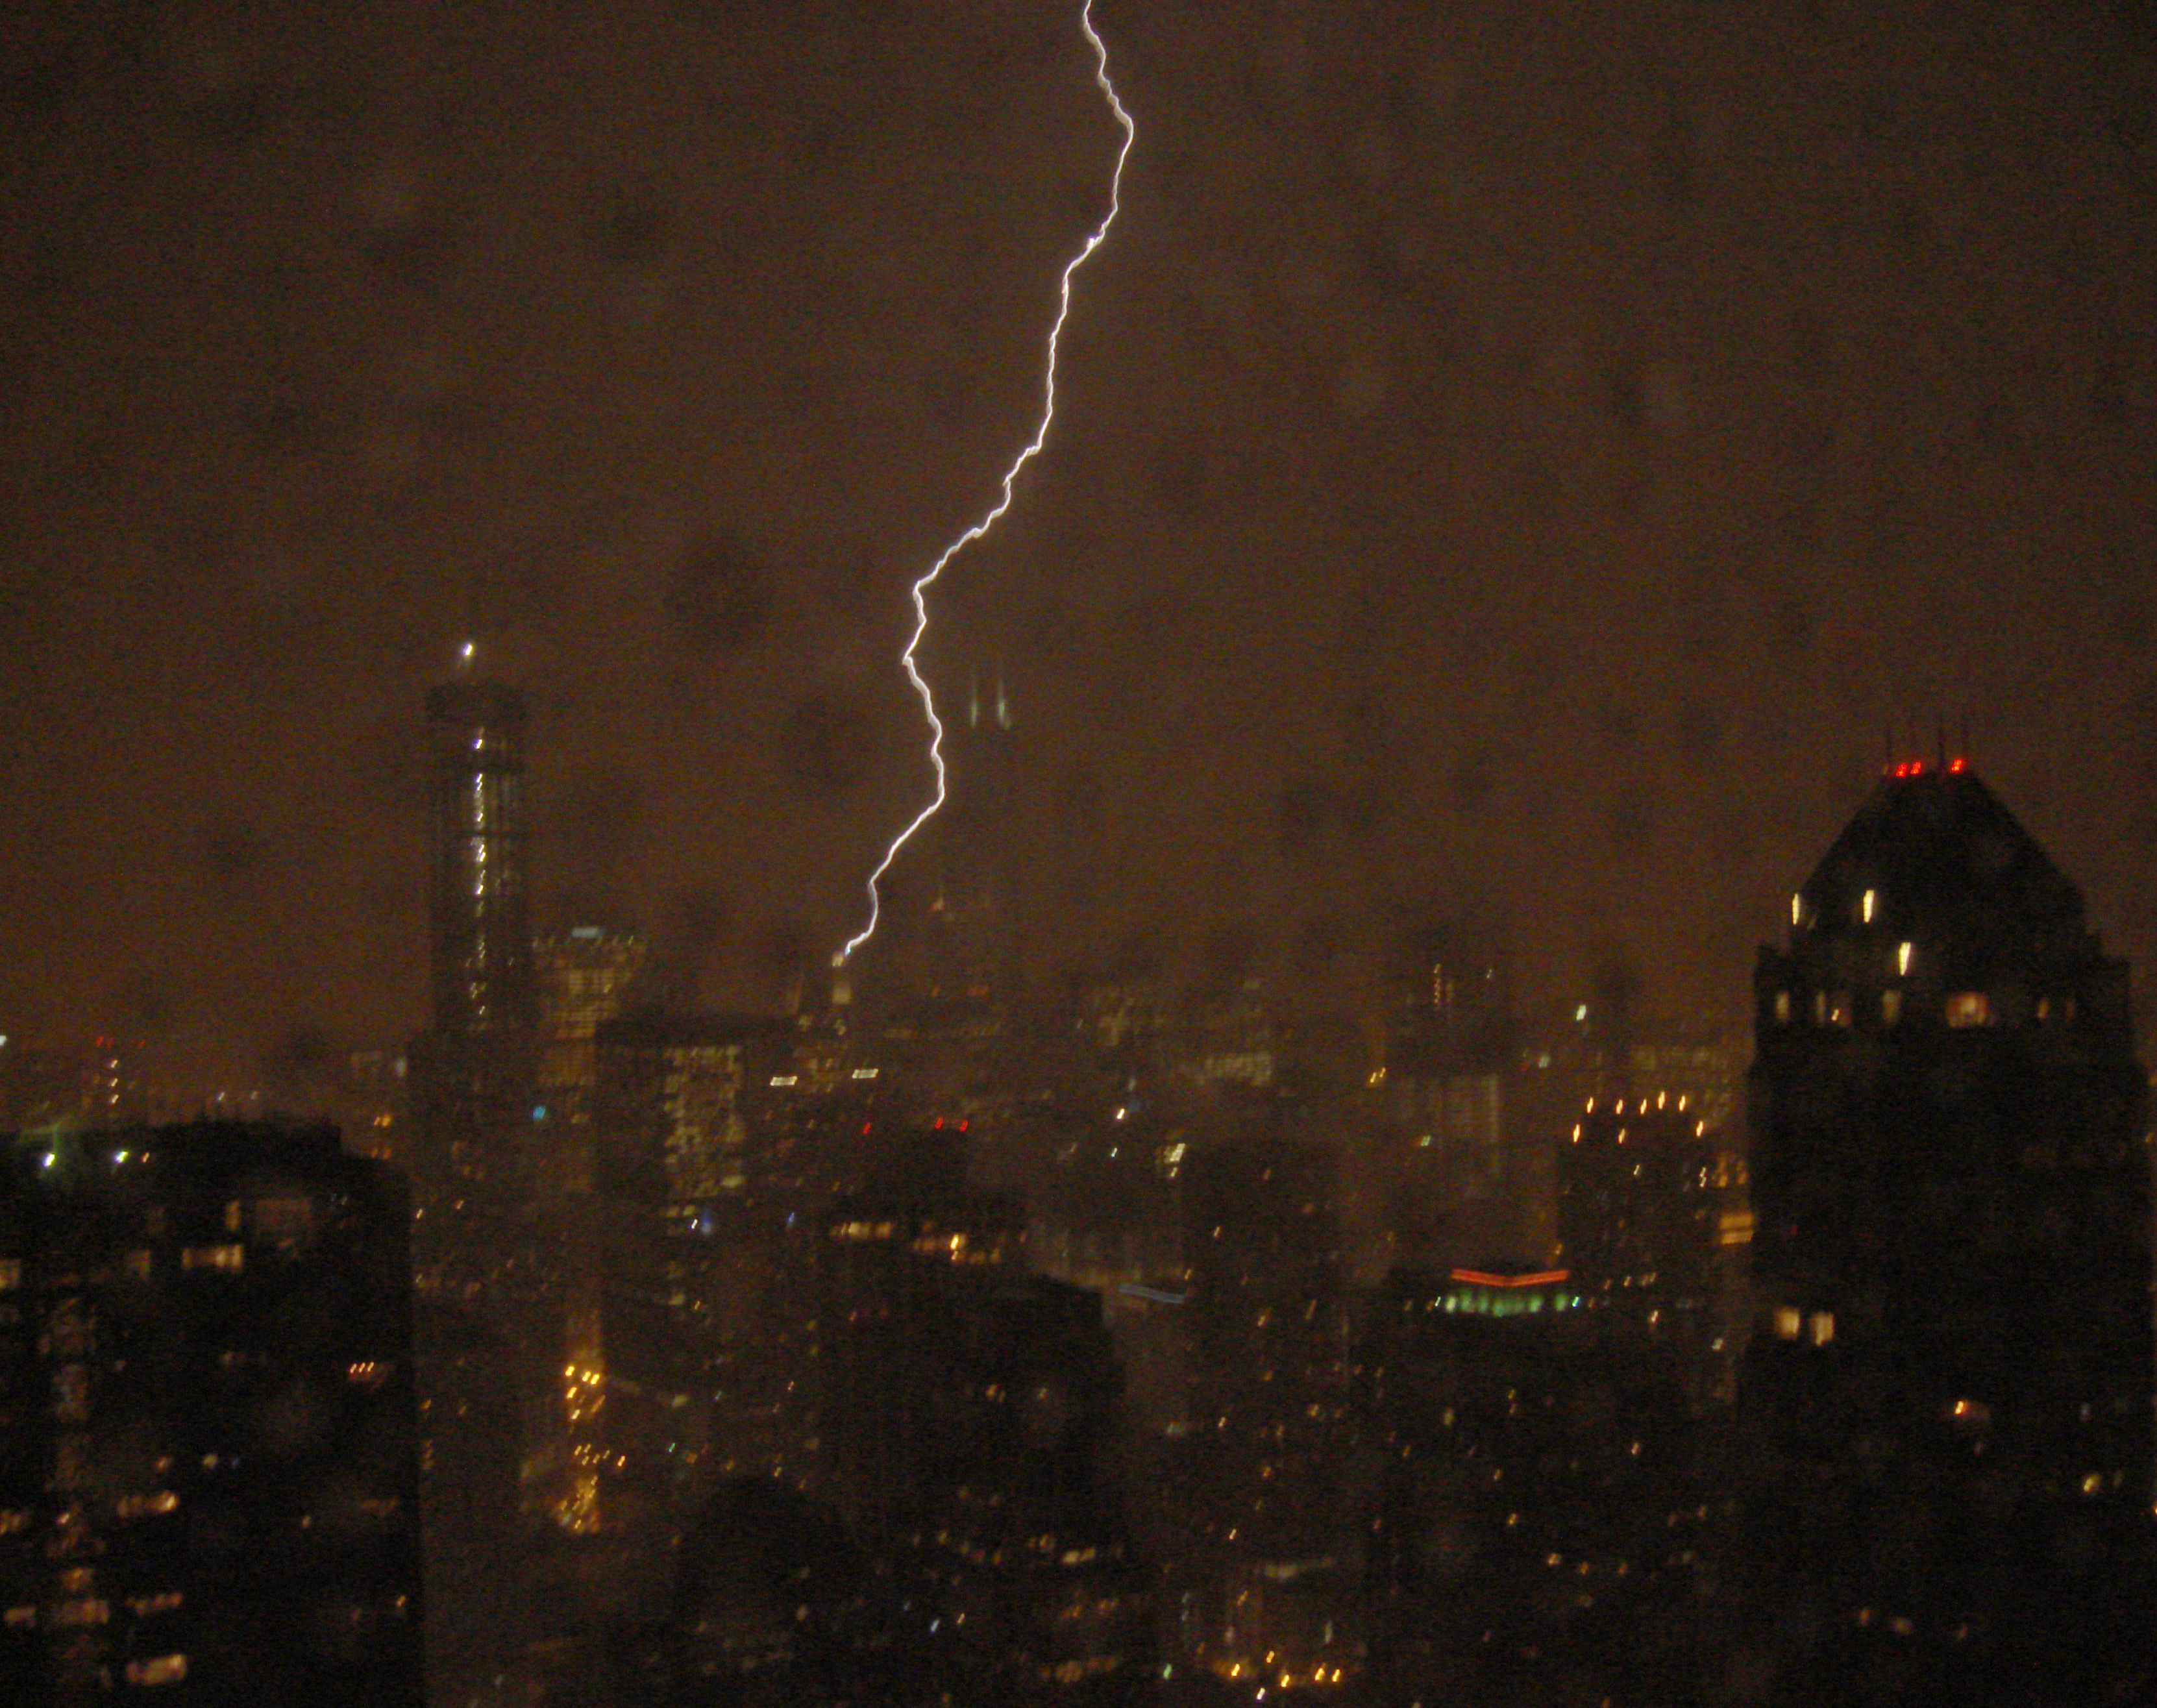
(1518,460)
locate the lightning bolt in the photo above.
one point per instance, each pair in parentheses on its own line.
(1011,474)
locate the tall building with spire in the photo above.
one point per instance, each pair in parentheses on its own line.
(479,1058)
(1950,1376)
(488,1272)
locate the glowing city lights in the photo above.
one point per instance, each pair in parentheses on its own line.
(1011,474)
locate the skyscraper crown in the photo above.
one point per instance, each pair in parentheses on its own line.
(1934,855)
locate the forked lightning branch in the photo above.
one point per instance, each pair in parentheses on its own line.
(906,659)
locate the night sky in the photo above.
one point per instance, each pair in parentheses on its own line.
(1512,462)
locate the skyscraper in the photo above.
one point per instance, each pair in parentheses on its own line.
(488,1267)
(584,975)
(477,1078)
(1949,1381)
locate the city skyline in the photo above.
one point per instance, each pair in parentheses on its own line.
(1397,953)
(1672,410)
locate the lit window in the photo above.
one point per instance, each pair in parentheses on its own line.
(13,1519)
(232,1216)
(1903,951)
(1970,1008)
(1797,910)
(147,1505)
(165,1670)
(1891,1006)
(1790,1321)
(1821,1327)
(227,1258)
(2093,1483)
(1838,1009)
(1869,906)
(1782,1008)
(1970,1414)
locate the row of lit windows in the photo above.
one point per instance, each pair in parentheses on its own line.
(1959,1009)
(1792,1324)
(1475,1301)
(93,1610)
(1963,1008)
(1867,909)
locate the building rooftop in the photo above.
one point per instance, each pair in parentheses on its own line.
(1933,854)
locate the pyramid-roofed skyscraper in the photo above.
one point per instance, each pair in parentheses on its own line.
(1950,1379)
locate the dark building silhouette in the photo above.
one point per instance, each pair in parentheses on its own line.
(208,1476)
(1278,1579)
(774,1604)
(1541,1506)
(968,1409)
(1654,1224)
(1950,1379)
(974,877)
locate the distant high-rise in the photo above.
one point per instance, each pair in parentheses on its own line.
(973,876)
(481,917)
(673,1098)
(584,976)
(488,1265)
(1463,1184)
(477,1064)
(972,947)
(1950,1373)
